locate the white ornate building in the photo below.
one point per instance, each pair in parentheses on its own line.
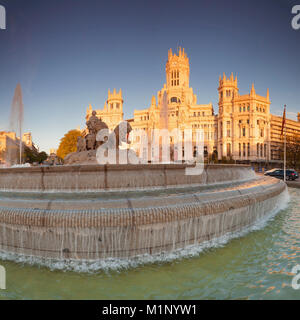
(244,130)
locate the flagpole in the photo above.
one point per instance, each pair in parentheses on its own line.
(284,160)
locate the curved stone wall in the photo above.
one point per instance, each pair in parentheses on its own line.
(116,177)
(126,225)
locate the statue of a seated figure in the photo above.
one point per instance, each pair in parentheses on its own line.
(87,146)
(94,125)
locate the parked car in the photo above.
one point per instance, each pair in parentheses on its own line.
(279,173)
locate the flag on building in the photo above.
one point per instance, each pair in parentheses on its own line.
(283,120)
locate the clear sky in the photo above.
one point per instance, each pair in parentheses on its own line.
(68,53)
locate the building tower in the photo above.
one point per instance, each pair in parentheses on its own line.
(228,91)
(177,70)
(115,101)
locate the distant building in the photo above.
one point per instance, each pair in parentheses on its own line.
(244,130)
(10,146)
(112,112)
(292,128)
(52,151)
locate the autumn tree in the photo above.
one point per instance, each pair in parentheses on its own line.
(68,143)
(2,155)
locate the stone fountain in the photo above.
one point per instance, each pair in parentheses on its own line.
(95,212)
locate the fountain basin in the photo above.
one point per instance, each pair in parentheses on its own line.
(128,210)
(115,177)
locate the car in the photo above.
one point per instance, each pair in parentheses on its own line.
(279,173)
(270,171)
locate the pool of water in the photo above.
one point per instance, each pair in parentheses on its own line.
(255,266)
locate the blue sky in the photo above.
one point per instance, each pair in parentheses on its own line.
(68,53)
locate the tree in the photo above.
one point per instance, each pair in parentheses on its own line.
(42,156)
(32,155)
(68,143)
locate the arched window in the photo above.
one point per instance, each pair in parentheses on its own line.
(174,99)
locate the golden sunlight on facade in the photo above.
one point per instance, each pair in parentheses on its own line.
(244,130)
(10,145)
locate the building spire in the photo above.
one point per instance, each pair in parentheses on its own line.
(268,94)
(252,90)
(153,101)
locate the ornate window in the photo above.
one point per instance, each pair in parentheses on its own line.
(175,76)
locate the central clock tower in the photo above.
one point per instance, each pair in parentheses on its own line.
(177,70)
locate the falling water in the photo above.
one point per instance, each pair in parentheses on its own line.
(16,121)
(164,112)
(163,126)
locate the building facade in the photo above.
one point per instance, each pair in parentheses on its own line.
(244,130)
(10,146)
